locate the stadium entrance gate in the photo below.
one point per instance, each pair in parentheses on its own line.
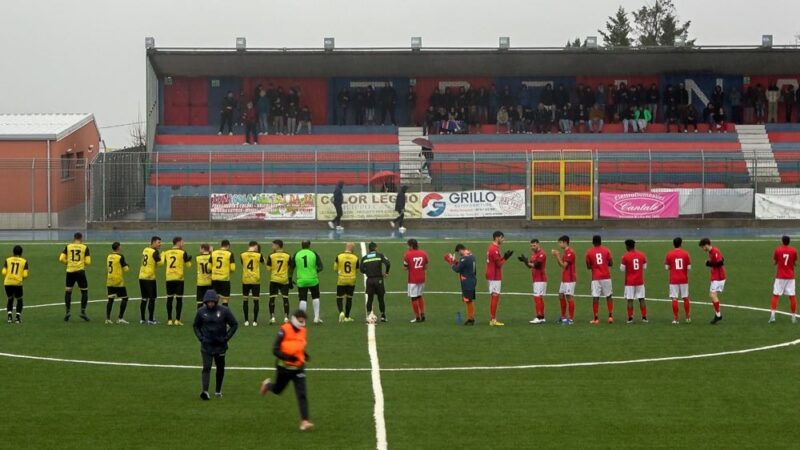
(562,185)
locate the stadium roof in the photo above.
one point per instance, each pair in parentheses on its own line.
(483,62)
(40,127)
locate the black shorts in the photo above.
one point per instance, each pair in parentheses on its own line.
(278,288)
(302,292)
(251,290)
(148,289)
(470,295)
(119,292)
(14,291)
(345,291)
(375,286)
(78,278)
(175,287)
(201,292)
(223,288)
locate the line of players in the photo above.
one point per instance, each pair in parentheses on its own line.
(215,266)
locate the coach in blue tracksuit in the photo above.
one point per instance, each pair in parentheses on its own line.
(214,325)
(465,267)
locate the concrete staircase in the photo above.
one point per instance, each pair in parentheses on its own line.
(411,158)
(757,152)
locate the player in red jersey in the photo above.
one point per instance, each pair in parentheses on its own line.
(566,291)
(785,258)
(717,264)
(634,263)
(538,265)
(598,260)
(416,263)
(494,273)
(678,263)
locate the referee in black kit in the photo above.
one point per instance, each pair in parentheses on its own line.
(372,266)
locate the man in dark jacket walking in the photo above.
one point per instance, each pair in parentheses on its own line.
(290,350)
(400,209)
(214,326)
(337,201)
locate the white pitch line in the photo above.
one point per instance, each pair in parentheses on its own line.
(375,371)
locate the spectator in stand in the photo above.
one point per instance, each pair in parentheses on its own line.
(502,120)
(342,103)
(611,104)
(507,98)
(411,107)
(709,116)
(454,123)
(369,105)
(600,97)
(689,118)
(359,106)
(773,95)
(643,117)
(633,95)
(515,117)
(241,106)
(581,116)
(548,99)
(448,99)
(304,118)
(623,101)
(524,96)
(718,97)
(250,120)
(672,116)
(493,102)
(528,117)
(749,100)
(291,119)
(596,118)
(668,97)
(226,113)
(760,103)
(541,120)
(262,108)
(798,104)
(257,94)
(389,104)
(277,112)
(294,96)
(280,95)
(653,100)
(565,119)
(435,99)
(482,101)
(561,97)
(628,120)
(735,100)
(682,96)
(719,120)
(788,102)
(473,117)
(432,120)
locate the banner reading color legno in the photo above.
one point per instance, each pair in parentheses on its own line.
(368,206)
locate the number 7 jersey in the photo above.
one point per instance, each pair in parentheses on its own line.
(278,266)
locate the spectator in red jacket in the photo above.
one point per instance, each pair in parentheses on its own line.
(250,120)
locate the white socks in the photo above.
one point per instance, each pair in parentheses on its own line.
(303,305)
(315,303)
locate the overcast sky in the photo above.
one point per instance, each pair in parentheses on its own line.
(88,56)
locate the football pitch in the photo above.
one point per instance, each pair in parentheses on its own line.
(442,385)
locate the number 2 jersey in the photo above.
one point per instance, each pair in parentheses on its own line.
(176,260)
(15,270)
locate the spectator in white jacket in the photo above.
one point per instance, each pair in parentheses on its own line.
(773,95)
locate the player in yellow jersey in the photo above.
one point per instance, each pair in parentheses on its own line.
(115,283)
(346,266)
(278,268)
(222,264)
(15,270)
(76,257)
(251,281)
(151,257)
(203,273)
(176,260)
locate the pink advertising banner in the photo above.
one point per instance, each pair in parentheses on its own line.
(639,205)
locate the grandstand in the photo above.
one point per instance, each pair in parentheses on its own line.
(189,160)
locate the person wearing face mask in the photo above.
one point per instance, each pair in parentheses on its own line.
(290,350)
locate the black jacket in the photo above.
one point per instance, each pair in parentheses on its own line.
(338,196)
(400,202)
(214,328)
(372,265)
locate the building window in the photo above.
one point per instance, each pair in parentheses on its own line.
(80,163)
(66,166)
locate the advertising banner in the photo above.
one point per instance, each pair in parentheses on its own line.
(368,206)
(778,207)
(262,207)
(639,205)
(469,204)
(697,201)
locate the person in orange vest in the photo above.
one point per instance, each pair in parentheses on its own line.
(290,351)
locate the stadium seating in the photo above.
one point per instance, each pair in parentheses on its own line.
(785,139)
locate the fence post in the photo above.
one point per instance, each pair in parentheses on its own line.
(528,185)
(369,171)
(33,194)
(474,173)
(86,185)
(209,185)
(596,183)
(649,169)
(158,186)
(316,175)
(263,158)
(703,184)
(103,183)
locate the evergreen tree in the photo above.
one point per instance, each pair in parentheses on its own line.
(658,24)
(618,30)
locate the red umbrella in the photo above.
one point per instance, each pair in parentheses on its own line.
(384,175)
(422,142)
